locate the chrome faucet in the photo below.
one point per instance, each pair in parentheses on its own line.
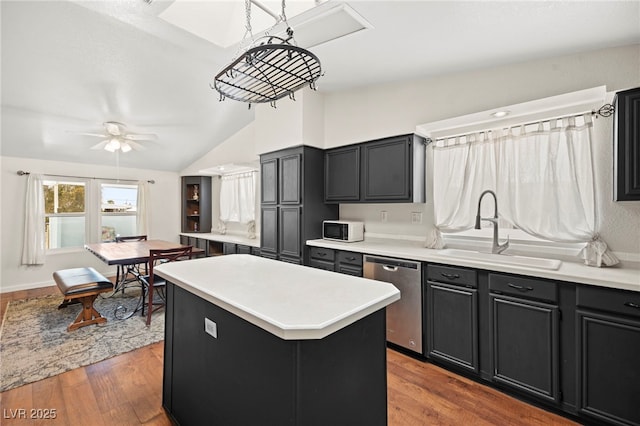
(496,247)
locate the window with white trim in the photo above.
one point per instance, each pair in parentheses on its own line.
(72,220)
(65,213)
(118,209)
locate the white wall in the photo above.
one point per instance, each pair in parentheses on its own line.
(396,108)
(165,217)
(392,109)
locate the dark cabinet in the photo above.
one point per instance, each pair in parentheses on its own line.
(292,207)
(344,262)
(349,263)
(627,145)
(382,171)
(269,181)
(452,316)
(196,203)
(269,232)
(525,335)
(290,243)
(387,170)
(290,179)
(608,344)
(342,172)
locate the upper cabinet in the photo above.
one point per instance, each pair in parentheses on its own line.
(389,170)
(626,137)
(342,174)
(196,204)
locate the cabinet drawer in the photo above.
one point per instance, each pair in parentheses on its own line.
(606,299)
(525,287)
(452,275)
(350,270)
(350,258)
(242,249)
(322,253)
(321,264)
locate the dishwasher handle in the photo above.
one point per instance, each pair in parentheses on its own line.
(392,264)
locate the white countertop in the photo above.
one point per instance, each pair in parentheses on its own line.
(625,275)
(226,238)
(293,302)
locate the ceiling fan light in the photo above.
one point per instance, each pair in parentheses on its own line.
(125,147)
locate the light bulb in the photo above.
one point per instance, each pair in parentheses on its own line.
(125,147)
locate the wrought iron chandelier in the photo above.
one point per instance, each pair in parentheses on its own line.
(270,68)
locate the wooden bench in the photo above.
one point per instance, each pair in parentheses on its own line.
(82,285)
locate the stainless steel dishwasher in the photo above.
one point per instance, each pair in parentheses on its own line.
(404,317)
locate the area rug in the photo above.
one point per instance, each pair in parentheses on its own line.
(35,343)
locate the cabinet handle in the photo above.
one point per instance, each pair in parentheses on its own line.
(632,305)
(450,276)
(322,254)
(350,258)
(520,287)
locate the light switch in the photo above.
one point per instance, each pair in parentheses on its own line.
(211,328)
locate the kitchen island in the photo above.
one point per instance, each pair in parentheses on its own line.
(251,341)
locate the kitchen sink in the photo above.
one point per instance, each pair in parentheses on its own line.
(504,259)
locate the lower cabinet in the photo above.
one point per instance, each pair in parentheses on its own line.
(570,347)
(345,262)
(608,365)
(525,335)
(452,316)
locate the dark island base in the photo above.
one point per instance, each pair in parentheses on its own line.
(248,376)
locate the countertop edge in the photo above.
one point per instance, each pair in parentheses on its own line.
(301,332)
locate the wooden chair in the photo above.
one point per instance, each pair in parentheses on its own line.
(151,282)
(133,268)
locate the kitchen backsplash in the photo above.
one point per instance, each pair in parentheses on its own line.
(397,220)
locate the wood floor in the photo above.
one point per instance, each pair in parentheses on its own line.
(126,390)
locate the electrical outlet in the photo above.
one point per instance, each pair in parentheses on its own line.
(211,328)
(384,216)
(416,218)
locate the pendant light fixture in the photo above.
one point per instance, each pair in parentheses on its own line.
(270,68)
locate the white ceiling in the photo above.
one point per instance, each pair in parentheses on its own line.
(68,66)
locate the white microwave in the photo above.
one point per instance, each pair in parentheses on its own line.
(342,230)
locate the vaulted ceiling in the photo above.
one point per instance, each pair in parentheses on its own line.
(69,66)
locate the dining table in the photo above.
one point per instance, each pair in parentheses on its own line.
(129,253)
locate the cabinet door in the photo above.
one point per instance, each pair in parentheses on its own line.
(269,181)
(525,346)
(627,150)
(290,177)
(269,231)
(387,169)
(289,232)
(342,174)
(608,370)
(229,248)
(453,324)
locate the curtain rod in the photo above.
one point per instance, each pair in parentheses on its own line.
(22,173)
(606,110)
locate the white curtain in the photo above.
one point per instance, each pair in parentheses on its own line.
(143,213)
(33,249)
(543,177)
(237,201)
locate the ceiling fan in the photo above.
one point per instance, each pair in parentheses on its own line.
(117,138)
